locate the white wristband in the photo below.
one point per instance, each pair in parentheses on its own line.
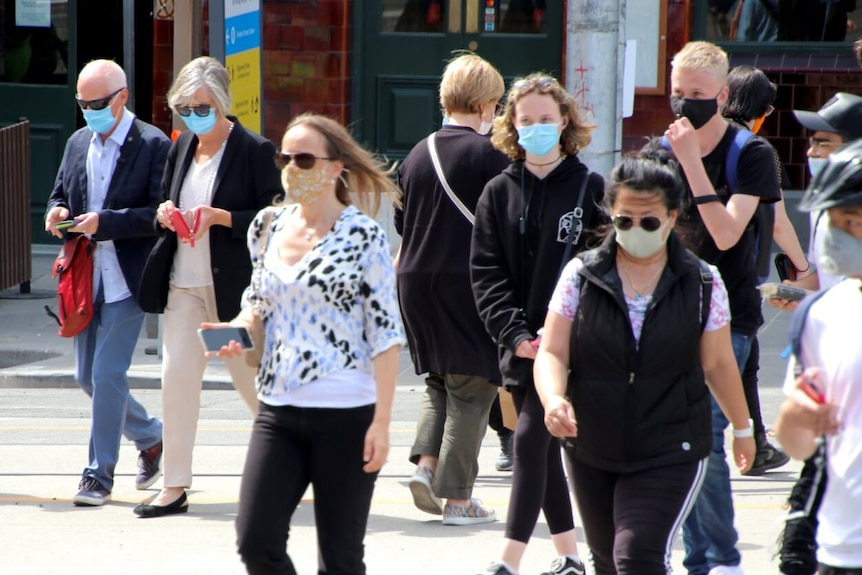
(743,433)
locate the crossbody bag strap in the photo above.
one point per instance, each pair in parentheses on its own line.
(261,253)
(578,212)
(435,159)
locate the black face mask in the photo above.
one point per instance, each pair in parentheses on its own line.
(698,112)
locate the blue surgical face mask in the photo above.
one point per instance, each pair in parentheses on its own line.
(816,165)
(539,139)
(198,125)
(99,121)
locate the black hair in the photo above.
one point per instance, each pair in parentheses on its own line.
(654,171)
(751,94)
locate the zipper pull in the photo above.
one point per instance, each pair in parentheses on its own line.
(631,378)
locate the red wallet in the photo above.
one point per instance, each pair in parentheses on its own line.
(182,228)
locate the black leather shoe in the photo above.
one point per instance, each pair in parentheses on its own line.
(180,505)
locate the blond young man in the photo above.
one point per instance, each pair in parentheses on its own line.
(723,234)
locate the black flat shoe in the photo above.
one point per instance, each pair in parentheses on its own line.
(180,505)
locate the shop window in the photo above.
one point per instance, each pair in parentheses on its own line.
(798,21)
(34,41)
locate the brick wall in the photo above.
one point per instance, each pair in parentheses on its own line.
(163,63)
(306,61)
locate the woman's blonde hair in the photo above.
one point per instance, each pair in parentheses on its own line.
(365,177)
(575,136)
(468,82)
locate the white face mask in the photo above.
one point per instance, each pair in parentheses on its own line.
(840,253)
(640,243)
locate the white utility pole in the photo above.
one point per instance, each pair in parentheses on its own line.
(595,53)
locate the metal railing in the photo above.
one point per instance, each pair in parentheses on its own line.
(15,264)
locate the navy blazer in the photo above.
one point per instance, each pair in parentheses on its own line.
(130,205)
(246,182)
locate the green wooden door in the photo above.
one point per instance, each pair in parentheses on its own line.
(402,46)
(37,81)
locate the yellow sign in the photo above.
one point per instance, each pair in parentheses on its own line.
(244,71)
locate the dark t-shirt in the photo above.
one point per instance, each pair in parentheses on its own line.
(756,176)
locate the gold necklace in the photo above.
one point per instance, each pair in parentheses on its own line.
(640,292)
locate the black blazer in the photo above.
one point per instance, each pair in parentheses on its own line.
(133,194)
(246,182)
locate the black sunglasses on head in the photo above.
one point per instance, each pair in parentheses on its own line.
(303,160)
(201,110)
(648,223)
(98,103)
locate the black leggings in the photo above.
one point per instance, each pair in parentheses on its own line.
(291,447)
(538,481)
(631,519)
(749,386)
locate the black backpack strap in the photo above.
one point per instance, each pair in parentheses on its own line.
(567,253)
(706,292)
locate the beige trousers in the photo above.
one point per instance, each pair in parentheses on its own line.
(182,374)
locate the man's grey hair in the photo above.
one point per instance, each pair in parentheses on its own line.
(109,70)
(200,72)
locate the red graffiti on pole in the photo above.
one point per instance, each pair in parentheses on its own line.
(581,91)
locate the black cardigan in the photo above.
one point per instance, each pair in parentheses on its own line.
(246,182)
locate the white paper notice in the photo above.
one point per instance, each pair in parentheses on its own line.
(33,13)
(629,78)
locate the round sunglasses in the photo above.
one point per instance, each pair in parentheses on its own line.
(303,160)
(648,223)
(201,110)
(98,103)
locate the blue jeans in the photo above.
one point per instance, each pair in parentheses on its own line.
(708,532)
(103,354)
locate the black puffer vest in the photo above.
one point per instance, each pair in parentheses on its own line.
(639,407)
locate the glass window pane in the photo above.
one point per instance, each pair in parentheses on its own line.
(784,20)
(34,41)
(513,16)
(413,16)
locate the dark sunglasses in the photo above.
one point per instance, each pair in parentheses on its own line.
(542,82)
(98,103)
(303,160)
(648,223)
(201,110)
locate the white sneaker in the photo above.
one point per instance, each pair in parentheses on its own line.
(726,570)
(423,495)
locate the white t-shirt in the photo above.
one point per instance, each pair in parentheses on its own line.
(832,342)
(567,297)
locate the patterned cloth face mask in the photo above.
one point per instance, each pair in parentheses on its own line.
(303,186)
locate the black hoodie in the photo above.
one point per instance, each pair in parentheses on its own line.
(522,224)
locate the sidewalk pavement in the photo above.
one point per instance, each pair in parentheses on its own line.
(44,428)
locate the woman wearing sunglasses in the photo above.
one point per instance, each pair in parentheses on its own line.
(636,337)
(217,177)
(528,219)
(333,332)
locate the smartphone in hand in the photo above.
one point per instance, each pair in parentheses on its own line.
(216,338)
(65,224)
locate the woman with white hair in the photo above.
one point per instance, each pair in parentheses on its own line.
(217,177)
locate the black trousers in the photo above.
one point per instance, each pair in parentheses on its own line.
(538,481)
(293,447)
(827,570)
(631,519)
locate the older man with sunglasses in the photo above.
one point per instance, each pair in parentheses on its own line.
(108,183)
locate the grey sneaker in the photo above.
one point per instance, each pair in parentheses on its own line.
(91,493)
(496,569)
(566,566)
(472,514)
(423,494)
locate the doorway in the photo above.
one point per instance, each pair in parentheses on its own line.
(402,47)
